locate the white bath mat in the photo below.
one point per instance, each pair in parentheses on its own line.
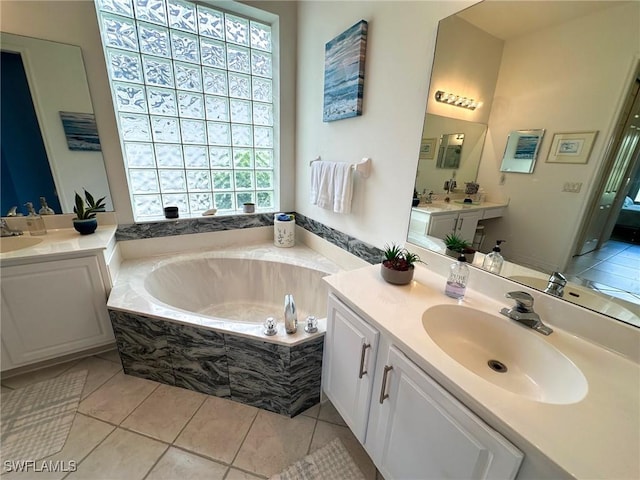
(331,462)
(36,419)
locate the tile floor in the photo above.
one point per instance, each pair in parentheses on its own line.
(128,427)
(614,269)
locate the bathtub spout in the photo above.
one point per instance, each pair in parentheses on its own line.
(290,314)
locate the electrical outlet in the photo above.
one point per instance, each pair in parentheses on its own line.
(572,187)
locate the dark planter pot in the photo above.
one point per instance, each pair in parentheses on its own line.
(396,277)
(85,227)
(469,254)
(452,253)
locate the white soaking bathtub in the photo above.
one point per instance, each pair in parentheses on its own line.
(195,321)
(228,290)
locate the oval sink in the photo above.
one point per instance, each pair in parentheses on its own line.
(9,244)
(585,297)
(506,354)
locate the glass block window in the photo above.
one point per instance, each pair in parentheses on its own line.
(192,88)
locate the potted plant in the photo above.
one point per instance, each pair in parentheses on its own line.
(85,210)
(455,245)
(398,265)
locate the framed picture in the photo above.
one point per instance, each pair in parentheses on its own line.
(521,151)
(428,148)
(571,147)
(81,131)
(344,73)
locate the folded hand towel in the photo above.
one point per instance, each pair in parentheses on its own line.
(343,188)
(331,186)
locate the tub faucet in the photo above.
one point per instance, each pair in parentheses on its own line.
(557,281)
(5,231)
(523,312)
(290,314)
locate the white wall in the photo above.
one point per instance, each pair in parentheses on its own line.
(399,56)
(74,22)
(567,78)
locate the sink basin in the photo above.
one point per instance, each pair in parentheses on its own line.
(585,297)
(506,354)
(9,244)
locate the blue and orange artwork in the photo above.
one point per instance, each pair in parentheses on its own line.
(344,73)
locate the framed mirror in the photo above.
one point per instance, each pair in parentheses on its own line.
(511,56)
(450,151)
(521,151)
(49,79)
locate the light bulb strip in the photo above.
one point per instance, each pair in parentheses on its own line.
(456,100)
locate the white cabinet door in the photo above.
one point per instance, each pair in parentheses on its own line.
(442,225)
(350,350)
(422,432)
(53,308)
(467,224)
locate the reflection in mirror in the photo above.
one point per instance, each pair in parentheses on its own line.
(521,151)
(520,58)
(430,176)
(450,150)
(40,79)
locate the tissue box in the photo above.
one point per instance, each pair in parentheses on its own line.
(284,230)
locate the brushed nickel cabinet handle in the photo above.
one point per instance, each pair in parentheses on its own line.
(363,372)
(384,395)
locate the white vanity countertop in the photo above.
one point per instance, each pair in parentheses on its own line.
(439,207)
(61,242)
(597,437)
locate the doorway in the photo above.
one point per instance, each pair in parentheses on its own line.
(623,163)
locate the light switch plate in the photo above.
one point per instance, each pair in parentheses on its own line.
(572,187)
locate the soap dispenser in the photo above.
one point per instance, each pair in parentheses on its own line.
(494,260)
(458,276)
(35,222)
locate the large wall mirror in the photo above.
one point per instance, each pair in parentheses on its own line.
(560,68)
(40,79)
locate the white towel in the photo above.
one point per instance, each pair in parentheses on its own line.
(342,188)
(331,186)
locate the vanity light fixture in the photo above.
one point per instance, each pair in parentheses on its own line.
(456,100)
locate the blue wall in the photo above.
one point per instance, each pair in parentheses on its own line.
(26,175)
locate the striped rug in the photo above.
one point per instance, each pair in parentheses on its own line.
(35,420)
(329,462)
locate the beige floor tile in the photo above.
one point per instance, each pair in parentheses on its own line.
(117,398)
(178,464)
(85,434)
(98,372)
(326,432)
(165,412)
(20,381)
(240,475)
(274,442)
(217,429)
(111,355)
(121,455)
(328,413)
(312,412)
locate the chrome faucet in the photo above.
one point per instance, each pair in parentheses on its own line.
(523,312)
(557,281)
(290,314)
(5,231)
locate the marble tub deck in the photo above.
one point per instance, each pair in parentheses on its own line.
(216,356)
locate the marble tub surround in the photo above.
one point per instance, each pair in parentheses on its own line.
(565,441)
(131,293)
(280,378)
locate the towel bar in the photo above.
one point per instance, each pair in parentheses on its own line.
(363,168)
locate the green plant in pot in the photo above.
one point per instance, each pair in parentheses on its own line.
(455,245)
(398,264)
(85,210)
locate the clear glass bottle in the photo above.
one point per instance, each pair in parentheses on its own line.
(494,260)
(35,222)
(458,276)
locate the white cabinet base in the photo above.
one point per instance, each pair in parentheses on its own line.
(51,309)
